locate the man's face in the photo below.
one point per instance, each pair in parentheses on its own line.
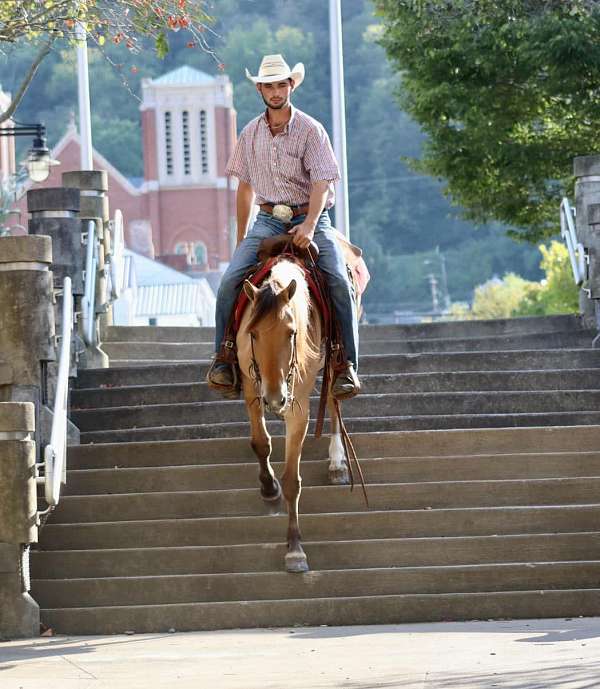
(277,94)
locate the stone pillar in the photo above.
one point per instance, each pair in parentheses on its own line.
(587,196)
(93,187)
(27,341)
(19,613)
(55,212)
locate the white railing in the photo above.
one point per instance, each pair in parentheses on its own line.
(577,253)
(88,304)
(55,453)
(117,257)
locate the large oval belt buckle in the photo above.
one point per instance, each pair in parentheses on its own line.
(283,212)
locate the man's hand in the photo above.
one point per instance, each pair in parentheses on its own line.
(303,234)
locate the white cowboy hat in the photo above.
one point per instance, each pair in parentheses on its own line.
(275,68)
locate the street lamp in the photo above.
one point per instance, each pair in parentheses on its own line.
(38,161)
(444,275)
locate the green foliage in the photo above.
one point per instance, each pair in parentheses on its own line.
(513,296)
(555,294)
(507,93)
(499,298)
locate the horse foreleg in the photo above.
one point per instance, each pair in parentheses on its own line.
(338,466)
(270,488)
(296,427)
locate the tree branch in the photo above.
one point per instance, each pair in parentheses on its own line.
(9,112)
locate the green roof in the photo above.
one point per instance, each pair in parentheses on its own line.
(184,76)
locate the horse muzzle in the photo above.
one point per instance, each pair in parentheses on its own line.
(276,403)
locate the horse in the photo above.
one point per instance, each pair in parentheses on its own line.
(279,355)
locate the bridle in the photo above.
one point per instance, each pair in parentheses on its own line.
(290,379)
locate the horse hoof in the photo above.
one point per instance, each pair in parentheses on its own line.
(275,496)
(339,477)
(296,563)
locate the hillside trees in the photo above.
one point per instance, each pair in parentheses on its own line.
(397,215)
(507,93)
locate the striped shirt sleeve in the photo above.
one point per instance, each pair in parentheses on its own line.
(238,163)
(319,158)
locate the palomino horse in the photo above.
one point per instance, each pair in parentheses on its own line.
(278,344)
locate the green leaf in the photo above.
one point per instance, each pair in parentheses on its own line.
(162,45)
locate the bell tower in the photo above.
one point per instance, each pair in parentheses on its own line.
(188,124)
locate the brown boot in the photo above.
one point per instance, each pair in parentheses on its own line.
(346,384)
(223,378)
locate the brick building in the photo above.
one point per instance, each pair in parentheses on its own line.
(183,210)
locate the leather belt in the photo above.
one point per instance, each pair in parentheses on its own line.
(295,210)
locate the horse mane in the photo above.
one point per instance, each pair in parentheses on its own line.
(267,303)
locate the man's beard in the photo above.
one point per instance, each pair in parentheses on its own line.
(284,103)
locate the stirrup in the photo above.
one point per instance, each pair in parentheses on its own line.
(349,373)
(232,391)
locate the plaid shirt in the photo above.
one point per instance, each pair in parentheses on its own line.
(282,168)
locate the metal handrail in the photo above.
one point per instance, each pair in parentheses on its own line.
(88,304)
(117,257)
(55,453)
(577,253)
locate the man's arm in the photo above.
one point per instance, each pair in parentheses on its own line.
(244,201)
(304,233)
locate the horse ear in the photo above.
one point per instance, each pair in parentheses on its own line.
(250,290)
(289,291)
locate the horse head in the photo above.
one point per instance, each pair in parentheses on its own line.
(273,329)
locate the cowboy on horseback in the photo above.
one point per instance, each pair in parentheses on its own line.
(284,162)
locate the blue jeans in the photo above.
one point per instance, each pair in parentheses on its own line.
(331,262)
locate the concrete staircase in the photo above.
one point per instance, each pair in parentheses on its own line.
(479,442)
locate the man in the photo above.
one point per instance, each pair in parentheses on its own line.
(284,162)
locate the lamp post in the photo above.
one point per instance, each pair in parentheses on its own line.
(342,213)
(443,275)
(83,91)
(435,302)
(38,161)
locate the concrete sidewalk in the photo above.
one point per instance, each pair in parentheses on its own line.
(524,654)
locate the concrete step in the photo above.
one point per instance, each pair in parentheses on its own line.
(375,332)
(453,362)
(380,383)
(324,555)
(182,351)
(392,609)
(315,473)
(400,523)
(382,424)
(365,405)
(255,586)
(442,443)
(323,499)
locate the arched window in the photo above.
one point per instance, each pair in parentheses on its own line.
(168,143)
(203,143)
(185,129)
(200,253)
(196,252)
